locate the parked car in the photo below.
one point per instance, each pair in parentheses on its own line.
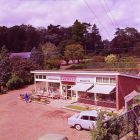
(53,137)
(83,120)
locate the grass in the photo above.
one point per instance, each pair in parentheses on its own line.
(80,108)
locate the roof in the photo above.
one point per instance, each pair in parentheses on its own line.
(79,72)
(21,54)
(131,95)
(90,113)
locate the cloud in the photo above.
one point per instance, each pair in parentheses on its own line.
(107,14)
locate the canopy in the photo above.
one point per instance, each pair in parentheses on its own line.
(102,89)
(81,87)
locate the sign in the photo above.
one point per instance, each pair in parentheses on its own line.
(53,78)
(86,80)
(68,78)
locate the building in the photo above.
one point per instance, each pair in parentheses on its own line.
(25,55)
(106,89)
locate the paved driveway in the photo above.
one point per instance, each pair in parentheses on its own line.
(27,121)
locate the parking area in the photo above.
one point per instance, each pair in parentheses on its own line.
(28,121)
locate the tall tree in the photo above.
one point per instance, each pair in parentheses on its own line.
(37,57)
(5,68)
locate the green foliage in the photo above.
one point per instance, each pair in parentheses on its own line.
(5,67)
(15,82)
(37,57)
(52,63)
(22,68)
(98,133)
(74,52)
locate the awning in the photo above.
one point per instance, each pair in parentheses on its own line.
(102,89)
(81,87)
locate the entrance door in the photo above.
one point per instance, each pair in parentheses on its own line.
(67,93)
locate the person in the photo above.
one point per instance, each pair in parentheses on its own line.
(26,98)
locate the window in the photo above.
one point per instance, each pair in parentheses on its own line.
(44,76)
(40,76)
(84,117)
(112,80)
(36,76)
(99,79)
(105,80)
(92,118)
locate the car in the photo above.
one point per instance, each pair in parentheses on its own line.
(83,120)
(53,137)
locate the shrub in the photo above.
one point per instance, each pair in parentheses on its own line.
(111,59)
(15,82)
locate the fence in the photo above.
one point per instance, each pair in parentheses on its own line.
(122,125)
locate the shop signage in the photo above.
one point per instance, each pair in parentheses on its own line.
(53,78)
(86,80)
(68,78)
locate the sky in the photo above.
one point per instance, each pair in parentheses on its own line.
(106,14)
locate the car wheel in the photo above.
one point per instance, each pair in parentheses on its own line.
(78,127)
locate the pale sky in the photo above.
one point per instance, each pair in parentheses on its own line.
(106,14)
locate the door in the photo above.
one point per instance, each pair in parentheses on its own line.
(92,120)
(84,122)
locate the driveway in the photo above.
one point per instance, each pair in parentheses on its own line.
(28,121)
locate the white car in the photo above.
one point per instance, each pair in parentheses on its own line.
(83,120)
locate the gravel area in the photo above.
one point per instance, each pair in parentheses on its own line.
(28,121)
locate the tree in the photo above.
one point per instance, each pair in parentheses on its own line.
(5,67)
(74,52)
(49,50)
(22,67)
(37,57)
(78,32)
(124,40)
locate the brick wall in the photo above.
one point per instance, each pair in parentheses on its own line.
(125,85)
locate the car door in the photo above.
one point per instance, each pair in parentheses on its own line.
(84,122)
(92,120)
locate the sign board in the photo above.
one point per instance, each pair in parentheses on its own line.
(68,78)
(86,80)
(53,79)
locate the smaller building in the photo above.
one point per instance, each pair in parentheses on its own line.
(25,55)
(106,89)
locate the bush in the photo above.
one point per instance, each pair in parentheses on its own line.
(15,82)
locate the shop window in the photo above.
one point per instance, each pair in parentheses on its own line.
(84,117)
(112,80)
(99,79)
(44,76)
(105,80)
(40,76)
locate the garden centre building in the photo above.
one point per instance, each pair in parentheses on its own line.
(106,89)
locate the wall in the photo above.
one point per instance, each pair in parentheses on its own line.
(125,85)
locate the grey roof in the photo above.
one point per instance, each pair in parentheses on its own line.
(21,54)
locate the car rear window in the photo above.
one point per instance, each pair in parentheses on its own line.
(84,117)
(92,118)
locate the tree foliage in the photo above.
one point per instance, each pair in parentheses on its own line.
(74,52)
(5,67)
(15,82)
